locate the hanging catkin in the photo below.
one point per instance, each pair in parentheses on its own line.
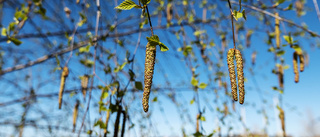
(169,12)
(240,75)
(148,74)
(295,67)
(277,30)
(232,74)
(75,115)
(281,116)
(84,85)
(301,59)
(64,75)
(280,76)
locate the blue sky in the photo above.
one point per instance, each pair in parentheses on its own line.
(303,96)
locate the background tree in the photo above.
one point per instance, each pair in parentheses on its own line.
(94,54)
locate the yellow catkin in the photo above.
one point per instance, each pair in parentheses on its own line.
(295,67)
(148,74)
(277,30)
(301,59)
(282,118)
(169,12)
(280,76)
(84,85)
(198,120)
(75,115)
(240,75)
(226,110)
(107,122)
(232,74)
(64,75)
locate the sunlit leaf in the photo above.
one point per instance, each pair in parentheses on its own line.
(126,5)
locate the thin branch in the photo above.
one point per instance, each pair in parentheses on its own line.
(231,15)
(280,18)
(317,8)
(84,43)
(94,65)
(149,20)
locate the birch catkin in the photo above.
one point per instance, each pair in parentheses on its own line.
(240,75)
(277,30)
(84,85)
(232,74)
(148,74)
(64,75)
(283,126)
(280,76)
(301,59)
(295,67)
(75,115)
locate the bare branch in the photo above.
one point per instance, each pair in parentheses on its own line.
(280,18)
(317,8)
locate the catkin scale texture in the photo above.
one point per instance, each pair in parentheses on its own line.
(64,75)
(75,115)
(148,74)
(280,76)
(232,74)
(277,31)
(301,58)
(295,67)
(240,76)
(84,85)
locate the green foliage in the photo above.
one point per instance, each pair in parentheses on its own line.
(127,5)
(154,40)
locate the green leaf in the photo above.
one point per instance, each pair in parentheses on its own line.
(126,5)
(202,85)
(15,41)
(155,99)
(202,118)
(145,2)
(237,15)
(289,39)
(199,32)
(153,40)
(194,82)
(244,14)
(138,85)
(191,101)
(4,32)
(85,49)
(122,66)
(163,47)
(104,95)
(280,53)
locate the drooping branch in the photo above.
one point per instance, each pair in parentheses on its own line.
(278,17)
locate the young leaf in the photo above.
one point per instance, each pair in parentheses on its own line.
(145,2)
(15,41)
(4,32)
(153,40)
(163,47)
(194,82)
(202,85)
(126,5)
(138,85)
(244,14)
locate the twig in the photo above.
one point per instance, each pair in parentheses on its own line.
(231,15)
(94,66)
(280,18)
(149,20)
(317,8)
